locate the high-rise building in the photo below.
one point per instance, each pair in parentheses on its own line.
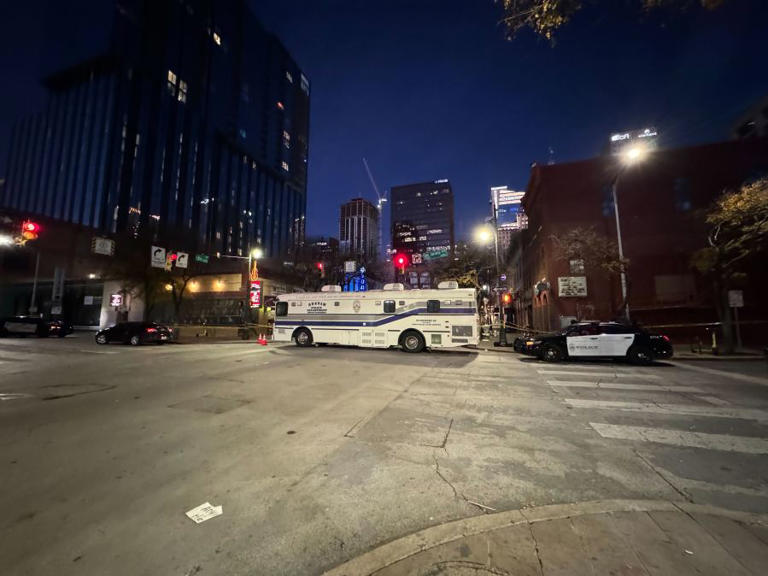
(422,219)
(322,249)
(192,127)
(509,215)
(359,229)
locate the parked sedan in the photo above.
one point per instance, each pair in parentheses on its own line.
(603,340)
(34,326)
(135,333)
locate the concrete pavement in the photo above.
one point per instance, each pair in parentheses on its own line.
(607,537)
(321,455)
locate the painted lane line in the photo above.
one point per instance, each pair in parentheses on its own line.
(13,396)
(723,442)
(599,374)
(673,409)
(618,386)
(724,373)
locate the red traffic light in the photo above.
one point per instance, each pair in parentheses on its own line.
(401,261)
(319,265)
(174,256)
(30,230)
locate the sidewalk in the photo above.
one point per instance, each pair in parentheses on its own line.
(605,537)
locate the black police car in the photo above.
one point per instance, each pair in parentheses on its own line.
(34,326)
(602,340)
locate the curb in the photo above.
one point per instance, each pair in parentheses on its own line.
(421,541)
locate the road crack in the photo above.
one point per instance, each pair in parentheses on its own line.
(460,495)
(535,544)
(645,461)
(445,438)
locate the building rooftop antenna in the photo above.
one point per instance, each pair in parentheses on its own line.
(381,199)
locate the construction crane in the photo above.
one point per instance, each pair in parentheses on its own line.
(380,201)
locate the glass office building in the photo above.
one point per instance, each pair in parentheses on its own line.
(422,219)
(192,127)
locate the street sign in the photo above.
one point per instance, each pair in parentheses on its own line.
(503,277)
(202,258)
(435,254)
(116,300)
(157,256)
(736,298)
(572,286)
(350,266)
(416,258)
(103,246)
(182,260)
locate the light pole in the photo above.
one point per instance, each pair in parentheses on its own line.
(484,235)
(253,256)
(630,157)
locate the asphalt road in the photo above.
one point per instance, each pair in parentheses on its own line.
(318,455)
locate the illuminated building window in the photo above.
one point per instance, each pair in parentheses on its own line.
(217,38)
(288,77)
(171,77)
(285,165)
(280,106)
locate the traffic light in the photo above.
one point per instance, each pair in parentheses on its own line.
(401,261)
(322,269)
(506,298)
(30,230)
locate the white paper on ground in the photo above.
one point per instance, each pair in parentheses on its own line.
(204,512)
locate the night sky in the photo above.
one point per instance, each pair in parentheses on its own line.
(430,89)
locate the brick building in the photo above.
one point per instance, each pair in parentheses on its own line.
(661,203)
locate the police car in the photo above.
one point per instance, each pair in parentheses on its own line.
(602,340)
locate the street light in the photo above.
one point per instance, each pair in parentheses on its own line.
(631,156)
(485,235)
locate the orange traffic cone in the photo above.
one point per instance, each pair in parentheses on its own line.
(262,340)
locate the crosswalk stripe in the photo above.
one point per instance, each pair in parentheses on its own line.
(618,386)
(599,374)
(682,409)
(724,442)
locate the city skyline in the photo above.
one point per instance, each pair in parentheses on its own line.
(462,77)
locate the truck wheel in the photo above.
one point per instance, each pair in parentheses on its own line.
(412,341)
(552,353)
(303,337)
(640,355)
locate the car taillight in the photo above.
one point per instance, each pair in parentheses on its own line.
(151,330)
(665,337)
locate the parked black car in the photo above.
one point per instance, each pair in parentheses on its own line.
(34,326)
(135,333)
(602,340)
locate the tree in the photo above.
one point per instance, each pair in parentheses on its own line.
(597,252)
(545,17)
(739,234)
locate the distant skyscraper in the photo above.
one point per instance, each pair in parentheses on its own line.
(192,128)
(359,229)
(422,219)
(508,211)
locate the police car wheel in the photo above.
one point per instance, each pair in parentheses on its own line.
(303,337)
(101,339)
(640,355)
(552,353)
(413,342)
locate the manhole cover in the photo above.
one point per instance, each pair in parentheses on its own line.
(210,404)
(462,568)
